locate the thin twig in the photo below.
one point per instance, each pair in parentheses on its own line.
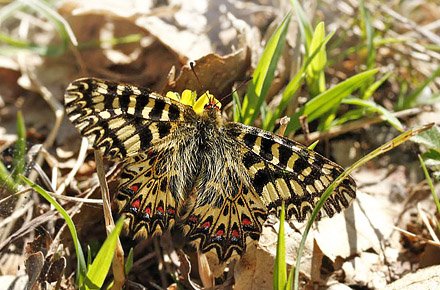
(76,199)
(79,162)
(118,258)
(283,125)
(406,233)
(427,224)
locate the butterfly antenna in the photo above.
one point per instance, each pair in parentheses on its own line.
(191,65)
(239,86)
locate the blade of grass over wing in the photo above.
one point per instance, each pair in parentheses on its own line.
(101,265)
(376,108)
(431,186)
(324,102)
(291,88)
(19,160)
(81,263)
(313,145)
(280,272)
(264,73)
(379,151)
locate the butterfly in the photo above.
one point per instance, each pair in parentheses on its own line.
(216,180)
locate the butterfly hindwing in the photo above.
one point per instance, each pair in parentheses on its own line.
(281,169)
(144,195)
(226,217)
(122,120)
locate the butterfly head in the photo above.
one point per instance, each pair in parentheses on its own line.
(212,105)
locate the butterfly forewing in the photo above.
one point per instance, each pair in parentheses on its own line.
(122,120)
(281,169)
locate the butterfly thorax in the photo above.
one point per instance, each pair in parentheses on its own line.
(211,117)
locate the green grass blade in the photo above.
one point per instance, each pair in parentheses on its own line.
(81,263)
(289,284)
(313,145)
(19,159)
(315,71)
(129,262)
(304,24)
(431,186)
(328,99)
(11,8)
(291,88)
(368,33)
(280,272)
(6,181)
(89,256)
(22,45)
(354,114)
(101,265)
(381,150)
(411,100)
(61,26)
(327,118)
(376,108)
(131,38)
(374,86)
(237,108)
(264,73)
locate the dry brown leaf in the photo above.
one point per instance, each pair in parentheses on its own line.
(423,279)
(366,224)
(255,269)
(366,270)
(216,74)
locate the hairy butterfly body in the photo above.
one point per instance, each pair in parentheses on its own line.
(216,180)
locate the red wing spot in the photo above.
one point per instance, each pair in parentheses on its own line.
(160,209)
(134,187)
(235,233)
(192,219)
(171,211)
(246,222)
(219,233)
(206,225)
(136,203)
(148,210)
